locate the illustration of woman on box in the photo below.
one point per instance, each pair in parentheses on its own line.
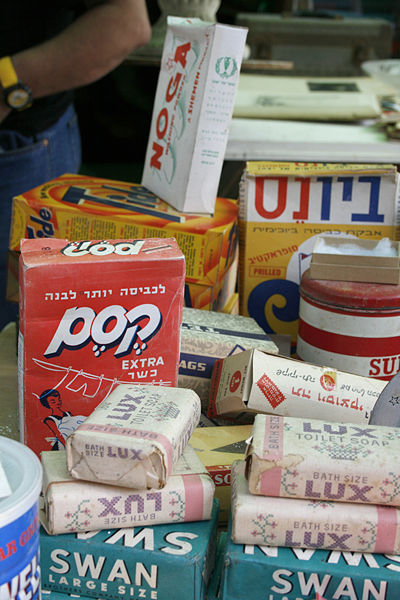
(61,422)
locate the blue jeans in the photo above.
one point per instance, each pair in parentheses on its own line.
(26,162)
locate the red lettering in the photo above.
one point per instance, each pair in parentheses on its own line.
(302,213)
(374,368)
(163,115)
(181,52)
(154,161)
(174,81)
(259,197)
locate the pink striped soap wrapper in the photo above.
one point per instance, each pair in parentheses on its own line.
(299,523)
(71,505)
(134,437)
(308,458)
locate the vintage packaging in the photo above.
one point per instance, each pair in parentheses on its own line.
(270,572)
(136,562)
(134,437)
(284,206)
(307,458)
(192,110)
(217,448)
(293,522)
(352,326)
(209,335)
(256,382)
(71,505)
(340,259)
(93,315)
(81,207)
(213,297)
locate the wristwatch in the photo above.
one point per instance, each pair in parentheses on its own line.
(15,94)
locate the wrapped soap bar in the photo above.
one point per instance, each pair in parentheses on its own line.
(305,458)
(71,505)
(292,522)
(134,437)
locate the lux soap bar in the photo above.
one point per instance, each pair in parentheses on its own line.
(305,458)
(134,437)
(292,522)
(303,574)
(132,563)
(72,505)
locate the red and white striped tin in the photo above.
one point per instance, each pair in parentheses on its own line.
(353,327)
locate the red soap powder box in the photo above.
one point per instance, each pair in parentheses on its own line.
(93,314)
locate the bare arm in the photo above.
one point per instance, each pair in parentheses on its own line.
(92,46)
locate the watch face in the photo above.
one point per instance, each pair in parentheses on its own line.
(18,97)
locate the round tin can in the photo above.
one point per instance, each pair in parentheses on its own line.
(19,521)
(353,327)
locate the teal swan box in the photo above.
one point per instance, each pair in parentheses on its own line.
(159,562)
(275,573)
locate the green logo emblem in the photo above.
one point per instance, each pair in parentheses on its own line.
(226,67)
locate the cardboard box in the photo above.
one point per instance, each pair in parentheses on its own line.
(339,259)
(217,448)
(291,522)
(138,562)
(216,296)
(71,505)
(283,208)
(192,110)
(254,572)
(78,207)
(134,437)
(93,315)
(207,336)
(232,306)
(307,458)
(255,382)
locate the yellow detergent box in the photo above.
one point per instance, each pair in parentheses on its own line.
(213,297)
(217,448)
(79,207)
(284,206)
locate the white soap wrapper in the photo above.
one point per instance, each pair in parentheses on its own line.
(75,506)
(293,523)
(134,437)
(309,458)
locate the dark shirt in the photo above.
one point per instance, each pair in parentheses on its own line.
(26,23)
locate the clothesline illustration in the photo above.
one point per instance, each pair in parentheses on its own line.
(77,380)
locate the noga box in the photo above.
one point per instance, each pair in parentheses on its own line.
(193,106)
(79,207)
(158,562)
(283,208)
(277,573)
(93,315)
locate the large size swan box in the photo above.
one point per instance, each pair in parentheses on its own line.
(93,315)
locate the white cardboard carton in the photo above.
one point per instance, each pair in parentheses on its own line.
(193,107)
(257,382)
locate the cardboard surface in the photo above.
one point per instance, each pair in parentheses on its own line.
(209,335)
(217,448)
(79,207)
(284,207)
(93,315)
(119,563)
(342,265)
(193,106)
(255,382)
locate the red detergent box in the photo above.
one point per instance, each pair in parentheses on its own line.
(93,315)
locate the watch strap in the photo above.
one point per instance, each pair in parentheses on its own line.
(8,76)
